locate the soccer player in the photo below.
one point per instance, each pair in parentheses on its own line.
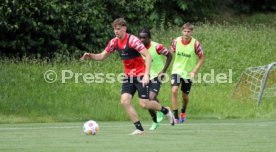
(157,70)
(136,70)
(188,59)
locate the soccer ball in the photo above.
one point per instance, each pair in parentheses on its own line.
(90,127)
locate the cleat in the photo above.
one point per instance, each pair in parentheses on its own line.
(170,116)
(137,132)
(154,126)
(159,116)
(182,117)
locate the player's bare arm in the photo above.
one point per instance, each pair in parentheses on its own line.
(201,59)
(98,57)
(167,64)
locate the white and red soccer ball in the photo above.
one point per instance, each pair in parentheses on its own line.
(91,127)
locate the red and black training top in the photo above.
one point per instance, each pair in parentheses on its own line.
(129,50)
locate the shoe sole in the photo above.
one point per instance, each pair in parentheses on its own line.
(141,133)
(136,134)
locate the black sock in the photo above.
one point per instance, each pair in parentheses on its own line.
(138,126)
(153,115)
(175,112)
(164,110)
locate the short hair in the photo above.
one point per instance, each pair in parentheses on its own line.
(145,30)
(188,26)
(119,21)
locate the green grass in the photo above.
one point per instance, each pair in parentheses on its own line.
(194,136)
(26,94)
(26,97)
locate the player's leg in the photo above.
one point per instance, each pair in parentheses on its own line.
(153,115)
(152,104)
(175,82)
(128,90)
(185,88)
(126,102)
(157,116)
(185,101)
(153,93)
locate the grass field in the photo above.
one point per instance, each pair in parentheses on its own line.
(195,136)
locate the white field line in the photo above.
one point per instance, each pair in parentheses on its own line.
(111,125)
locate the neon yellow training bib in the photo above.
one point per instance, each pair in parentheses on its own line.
(157,62)
(185,58)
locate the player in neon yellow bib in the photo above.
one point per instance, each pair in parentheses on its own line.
(158,68)
(188,59)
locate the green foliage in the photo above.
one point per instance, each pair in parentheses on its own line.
(49,27)
(135,12)
(44,28)
(176,12)
(241,6)
(63,27)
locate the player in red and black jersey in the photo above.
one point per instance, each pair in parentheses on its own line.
(130,49)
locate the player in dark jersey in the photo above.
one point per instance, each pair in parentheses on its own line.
(130,49)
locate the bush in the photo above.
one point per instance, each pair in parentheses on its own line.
(47,28)
(44,28)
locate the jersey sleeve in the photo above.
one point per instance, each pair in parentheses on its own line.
(198,49)
(160,49)
(173,46)
(135,43)
(111,46)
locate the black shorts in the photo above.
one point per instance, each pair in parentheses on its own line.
(186,84)
(131,84)
(155,85)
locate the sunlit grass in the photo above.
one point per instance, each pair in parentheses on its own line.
(196,135)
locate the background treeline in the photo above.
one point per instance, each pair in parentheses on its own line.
(49,28)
